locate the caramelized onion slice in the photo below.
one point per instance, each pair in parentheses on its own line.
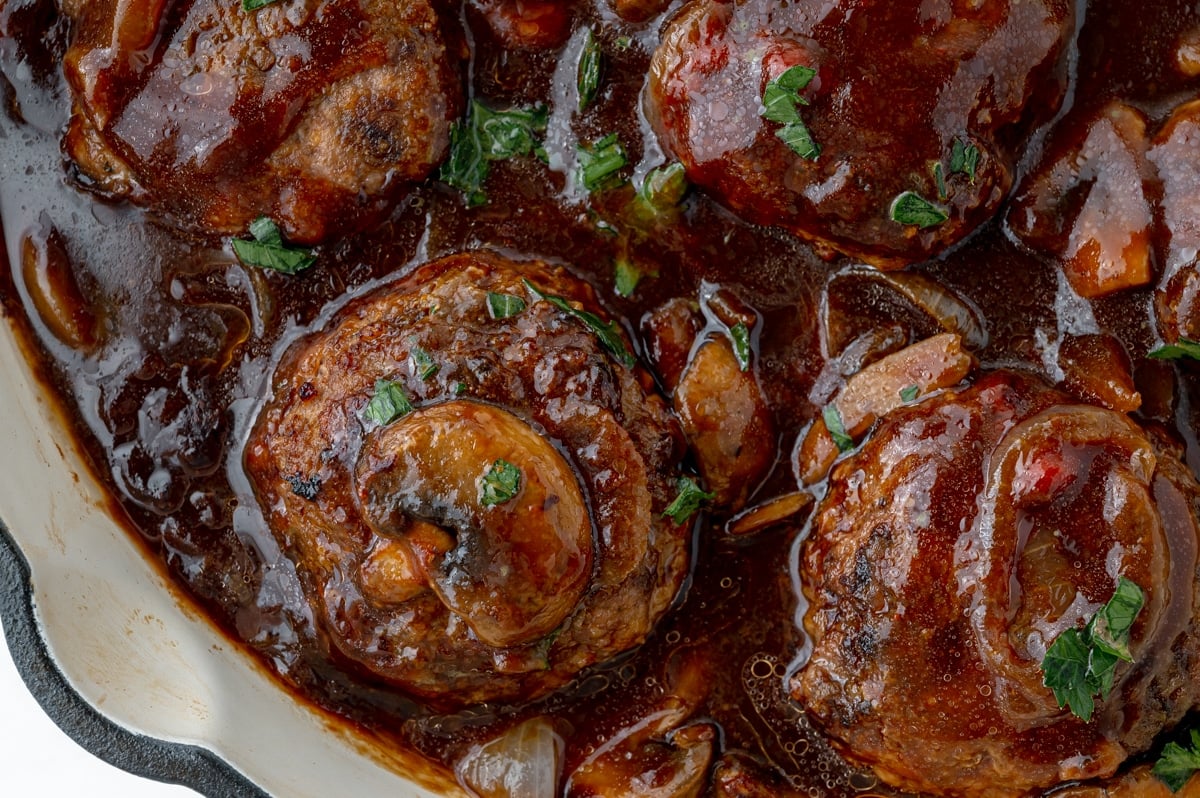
(951,312)
(524,762)
(933,364)
(654,757)
(768,514)
(517,567)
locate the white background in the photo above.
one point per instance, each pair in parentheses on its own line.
(37,759)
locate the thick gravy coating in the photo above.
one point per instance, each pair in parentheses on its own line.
(1066,256)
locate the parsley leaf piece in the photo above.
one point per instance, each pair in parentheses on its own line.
(795,79)
(591,60)
(606,331)
(254,5)
(1082,663)
(687,501)
(626,277)
(781,104)
(837,430)
(739,334)
(799,139)
(500,484)
(267,250)
(424,362)
(488,135)
(964,159)
(600,162)
(664,187)
(1065,669)
(910,393)
(911,208)
(1109,629)
(1183,348)
(939,180)
(388,404)
(504,306)
(1177,764)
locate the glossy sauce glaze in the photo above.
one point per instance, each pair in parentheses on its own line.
(163,346)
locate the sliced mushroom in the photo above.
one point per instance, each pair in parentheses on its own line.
(933,364)
(519,565)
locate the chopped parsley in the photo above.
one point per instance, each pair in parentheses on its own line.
(606,331)
(837,429)
(626,277)
(664,187)
(964,159)
(388,404)
(739,335)
(600,162)
(500,484)
(781,103)
(254,5)
(939,180)
(910,393)
(1177,764)
(687,502)
(267,250)
(504,306)
(1081,663)
(488,135)
(591,60)
(1183,348)
(424,363)
(911,208)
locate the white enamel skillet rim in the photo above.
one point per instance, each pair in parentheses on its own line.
(123,662)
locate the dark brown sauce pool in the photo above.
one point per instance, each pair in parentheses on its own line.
(162,345)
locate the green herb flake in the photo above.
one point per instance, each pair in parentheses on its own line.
(624,42)
(500,484)
(388,403)
(837,429)
(606,331)
(964,159)
(626,277)
(911,208)
(591,59)
(1177,764)
(600,162)
(488,135)
(423,362)
(1183,348)
(504,306)
(460,388)
(664,187)
(268,251)
(799,139)
(687,501)
(739,335)
(1081,664)
(781,104)
(782,95)
(254,5)
(939,180)
(910,393)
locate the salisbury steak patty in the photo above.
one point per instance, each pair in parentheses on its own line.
(950,554)
(316,114)
(508,529)
(893,97)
